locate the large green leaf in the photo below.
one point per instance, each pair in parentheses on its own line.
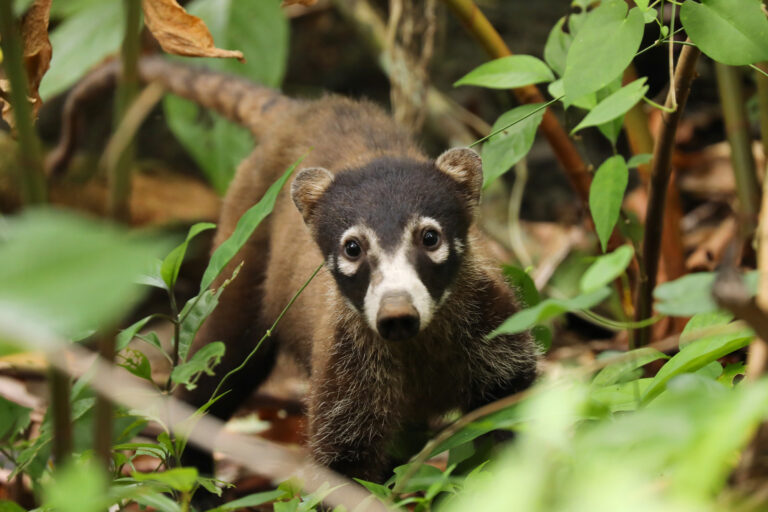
(603,48)
(697,355)
(179,479)
(203,361)
(733,32)
(257,28)
(615,372)
(243,230)
(606,195)
(606,268)
(509,146)
(71,274)
(77,487)
(508,73)
(547,309)
(615,105)
(90,32)
(692,294)
(556,49)
(14,418)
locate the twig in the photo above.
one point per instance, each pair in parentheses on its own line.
(740,141)
(707,255)
(58,383)
(127,86)
(660,174)
(102,425)
(30,171)
(260,456)
(479,26)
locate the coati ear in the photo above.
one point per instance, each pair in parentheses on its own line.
(464,166)
(308,187)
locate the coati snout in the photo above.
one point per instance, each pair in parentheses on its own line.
(393,233)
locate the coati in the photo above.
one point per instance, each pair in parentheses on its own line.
(392,331)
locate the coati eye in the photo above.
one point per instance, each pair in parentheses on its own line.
(352,249)
(430,239)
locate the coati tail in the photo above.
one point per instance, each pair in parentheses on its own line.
(253,106)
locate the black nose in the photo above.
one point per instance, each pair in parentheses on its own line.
(397,319)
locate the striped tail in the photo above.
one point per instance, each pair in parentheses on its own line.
(252,106)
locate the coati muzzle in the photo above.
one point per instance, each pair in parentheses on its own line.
(397,319)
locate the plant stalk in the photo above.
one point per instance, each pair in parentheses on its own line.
(119,176)
(740,141)
(58,381)
(661,169)
(30,178)
(570,159)
(104,411)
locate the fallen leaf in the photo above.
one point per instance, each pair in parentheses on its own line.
(306,3)
(181,33)
(37,56)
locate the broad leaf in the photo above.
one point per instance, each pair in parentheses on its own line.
(178,479)
(135,362)
(126,335)
(615,105)
(614,373)
(697,355)
(14,418)
(702,321)
(638,160)
(252,500)
(523,285)
(556,49)
(729,31)
(245,227)
(508,147)
(606,268)
(508,73)
(606,195)
(603,48)
(692,294)
(68,273)
(547,309)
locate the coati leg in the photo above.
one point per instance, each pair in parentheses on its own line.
(352,417)
(228,323)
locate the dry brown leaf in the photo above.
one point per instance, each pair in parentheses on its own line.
(305,3)
(37,56)
(181,33)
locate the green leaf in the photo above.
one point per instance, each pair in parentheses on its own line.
(508,72)
(85,482)
(586,102)
(508,147)
(245,227)
(696,355)
(547,309)
(169,270)
(729,31)
(10,506)
(202,361)
(606,195)
(252,500)
(730,372)
(640,159)
(606,268)
(68,273)
(556,48)
(260,30)
(603,48)
(614,373)
(178,479)
(126,335)
(196,310)
(136,363)
(523,285)
(692,294)
(615,105)
(14,418)
(701,321)
(621,397)
(92,31)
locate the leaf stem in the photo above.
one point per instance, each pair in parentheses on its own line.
(31,179)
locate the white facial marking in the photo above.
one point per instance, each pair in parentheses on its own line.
(458,246)
(396,273)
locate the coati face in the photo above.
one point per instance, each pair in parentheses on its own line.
(393,233)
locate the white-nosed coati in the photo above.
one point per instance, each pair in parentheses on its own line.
(393,330)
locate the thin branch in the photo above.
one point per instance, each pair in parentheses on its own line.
(660,174)
(567,154)
(262,457)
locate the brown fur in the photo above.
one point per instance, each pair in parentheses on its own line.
(363,389)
